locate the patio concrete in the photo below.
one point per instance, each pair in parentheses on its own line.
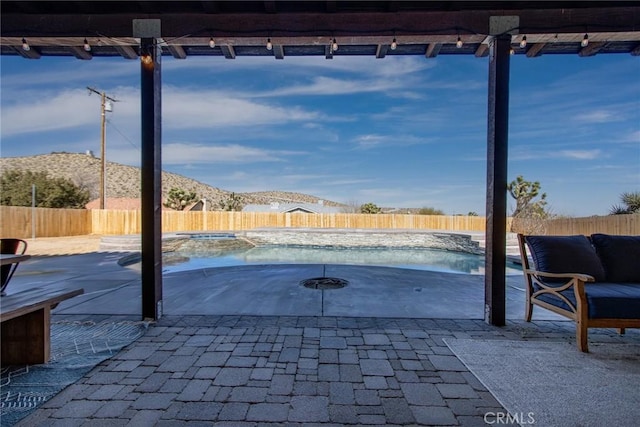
(250,346)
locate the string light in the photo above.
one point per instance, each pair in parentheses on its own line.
(87,46)
(334,45)
(394,44)
(512,51)
(523,42)
(25,45)
(585,41)
(269,45)
(212,43)
(459,43)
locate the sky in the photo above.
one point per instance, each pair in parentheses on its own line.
(402,131)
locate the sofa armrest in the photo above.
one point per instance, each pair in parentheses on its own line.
(574,282)
(578,276)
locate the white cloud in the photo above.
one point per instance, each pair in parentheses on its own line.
(209,109)
(581,154)
(186,153)
(67,109)
(597,116)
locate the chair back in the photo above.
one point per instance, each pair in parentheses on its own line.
(13,247)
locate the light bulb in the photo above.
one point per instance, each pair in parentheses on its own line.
(25,45)
(212,43)
(394,44)
(334,45)
(269,45)
(512,52)
(459,43)
(585,41)
(87,46)
(523,42)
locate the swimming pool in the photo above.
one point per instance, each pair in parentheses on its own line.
(412,258)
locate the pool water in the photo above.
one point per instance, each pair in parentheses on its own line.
(412,258)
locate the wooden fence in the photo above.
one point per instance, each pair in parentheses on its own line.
(43,222)
(19,222)
(610,224)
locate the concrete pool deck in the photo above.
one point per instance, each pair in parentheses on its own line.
(269,290)
(249,346)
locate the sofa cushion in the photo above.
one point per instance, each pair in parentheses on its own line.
(620,256)
(604,300)
(565,254)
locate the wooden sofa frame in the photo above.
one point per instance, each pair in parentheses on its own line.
(578,312)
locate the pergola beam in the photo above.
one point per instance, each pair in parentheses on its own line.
(381,51)
(433,49)
(535,50)
(591,49)
(127,52)
(228,51)
(278,51)
(80,53)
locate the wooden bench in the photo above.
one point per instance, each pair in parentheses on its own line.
(26,324)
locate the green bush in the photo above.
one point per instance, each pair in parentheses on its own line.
(50,192)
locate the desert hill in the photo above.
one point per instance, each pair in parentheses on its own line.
(124,181)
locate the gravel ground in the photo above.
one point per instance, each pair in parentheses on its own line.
(63,245)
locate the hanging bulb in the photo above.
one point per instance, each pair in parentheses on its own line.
(25,45)
(87,46)
(459,43)
(394,44)
(212,43)
(334,45)
(269,45)
(512,51)
(585,41)
(523,42)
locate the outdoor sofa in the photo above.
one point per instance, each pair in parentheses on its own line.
(593,280)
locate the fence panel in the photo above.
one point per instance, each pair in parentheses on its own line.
(18,221)
(610,224)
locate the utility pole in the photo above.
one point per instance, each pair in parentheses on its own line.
(105,105)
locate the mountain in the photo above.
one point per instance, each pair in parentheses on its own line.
(124,181)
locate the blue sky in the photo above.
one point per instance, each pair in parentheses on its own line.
(399,131)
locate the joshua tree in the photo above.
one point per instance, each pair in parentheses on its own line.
(231,203)
(370,208)
(178,199)
(529,215)
(631,202)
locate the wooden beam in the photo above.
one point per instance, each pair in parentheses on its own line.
(497,144)
(433,49)
(127,52)
(177,51)
(482,50)
(151,191)
(28,54)
(328,52)
(535,50)
(80,53)
(591,49)
(228,51)
(381,51)
(270,6)
(278,51)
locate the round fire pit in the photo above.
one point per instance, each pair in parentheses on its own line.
(324,283)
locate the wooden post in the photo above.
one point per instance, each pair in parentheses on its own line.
(497,144)
(151,117)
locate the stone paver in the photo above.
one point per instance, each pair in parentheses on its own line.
(249,371)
